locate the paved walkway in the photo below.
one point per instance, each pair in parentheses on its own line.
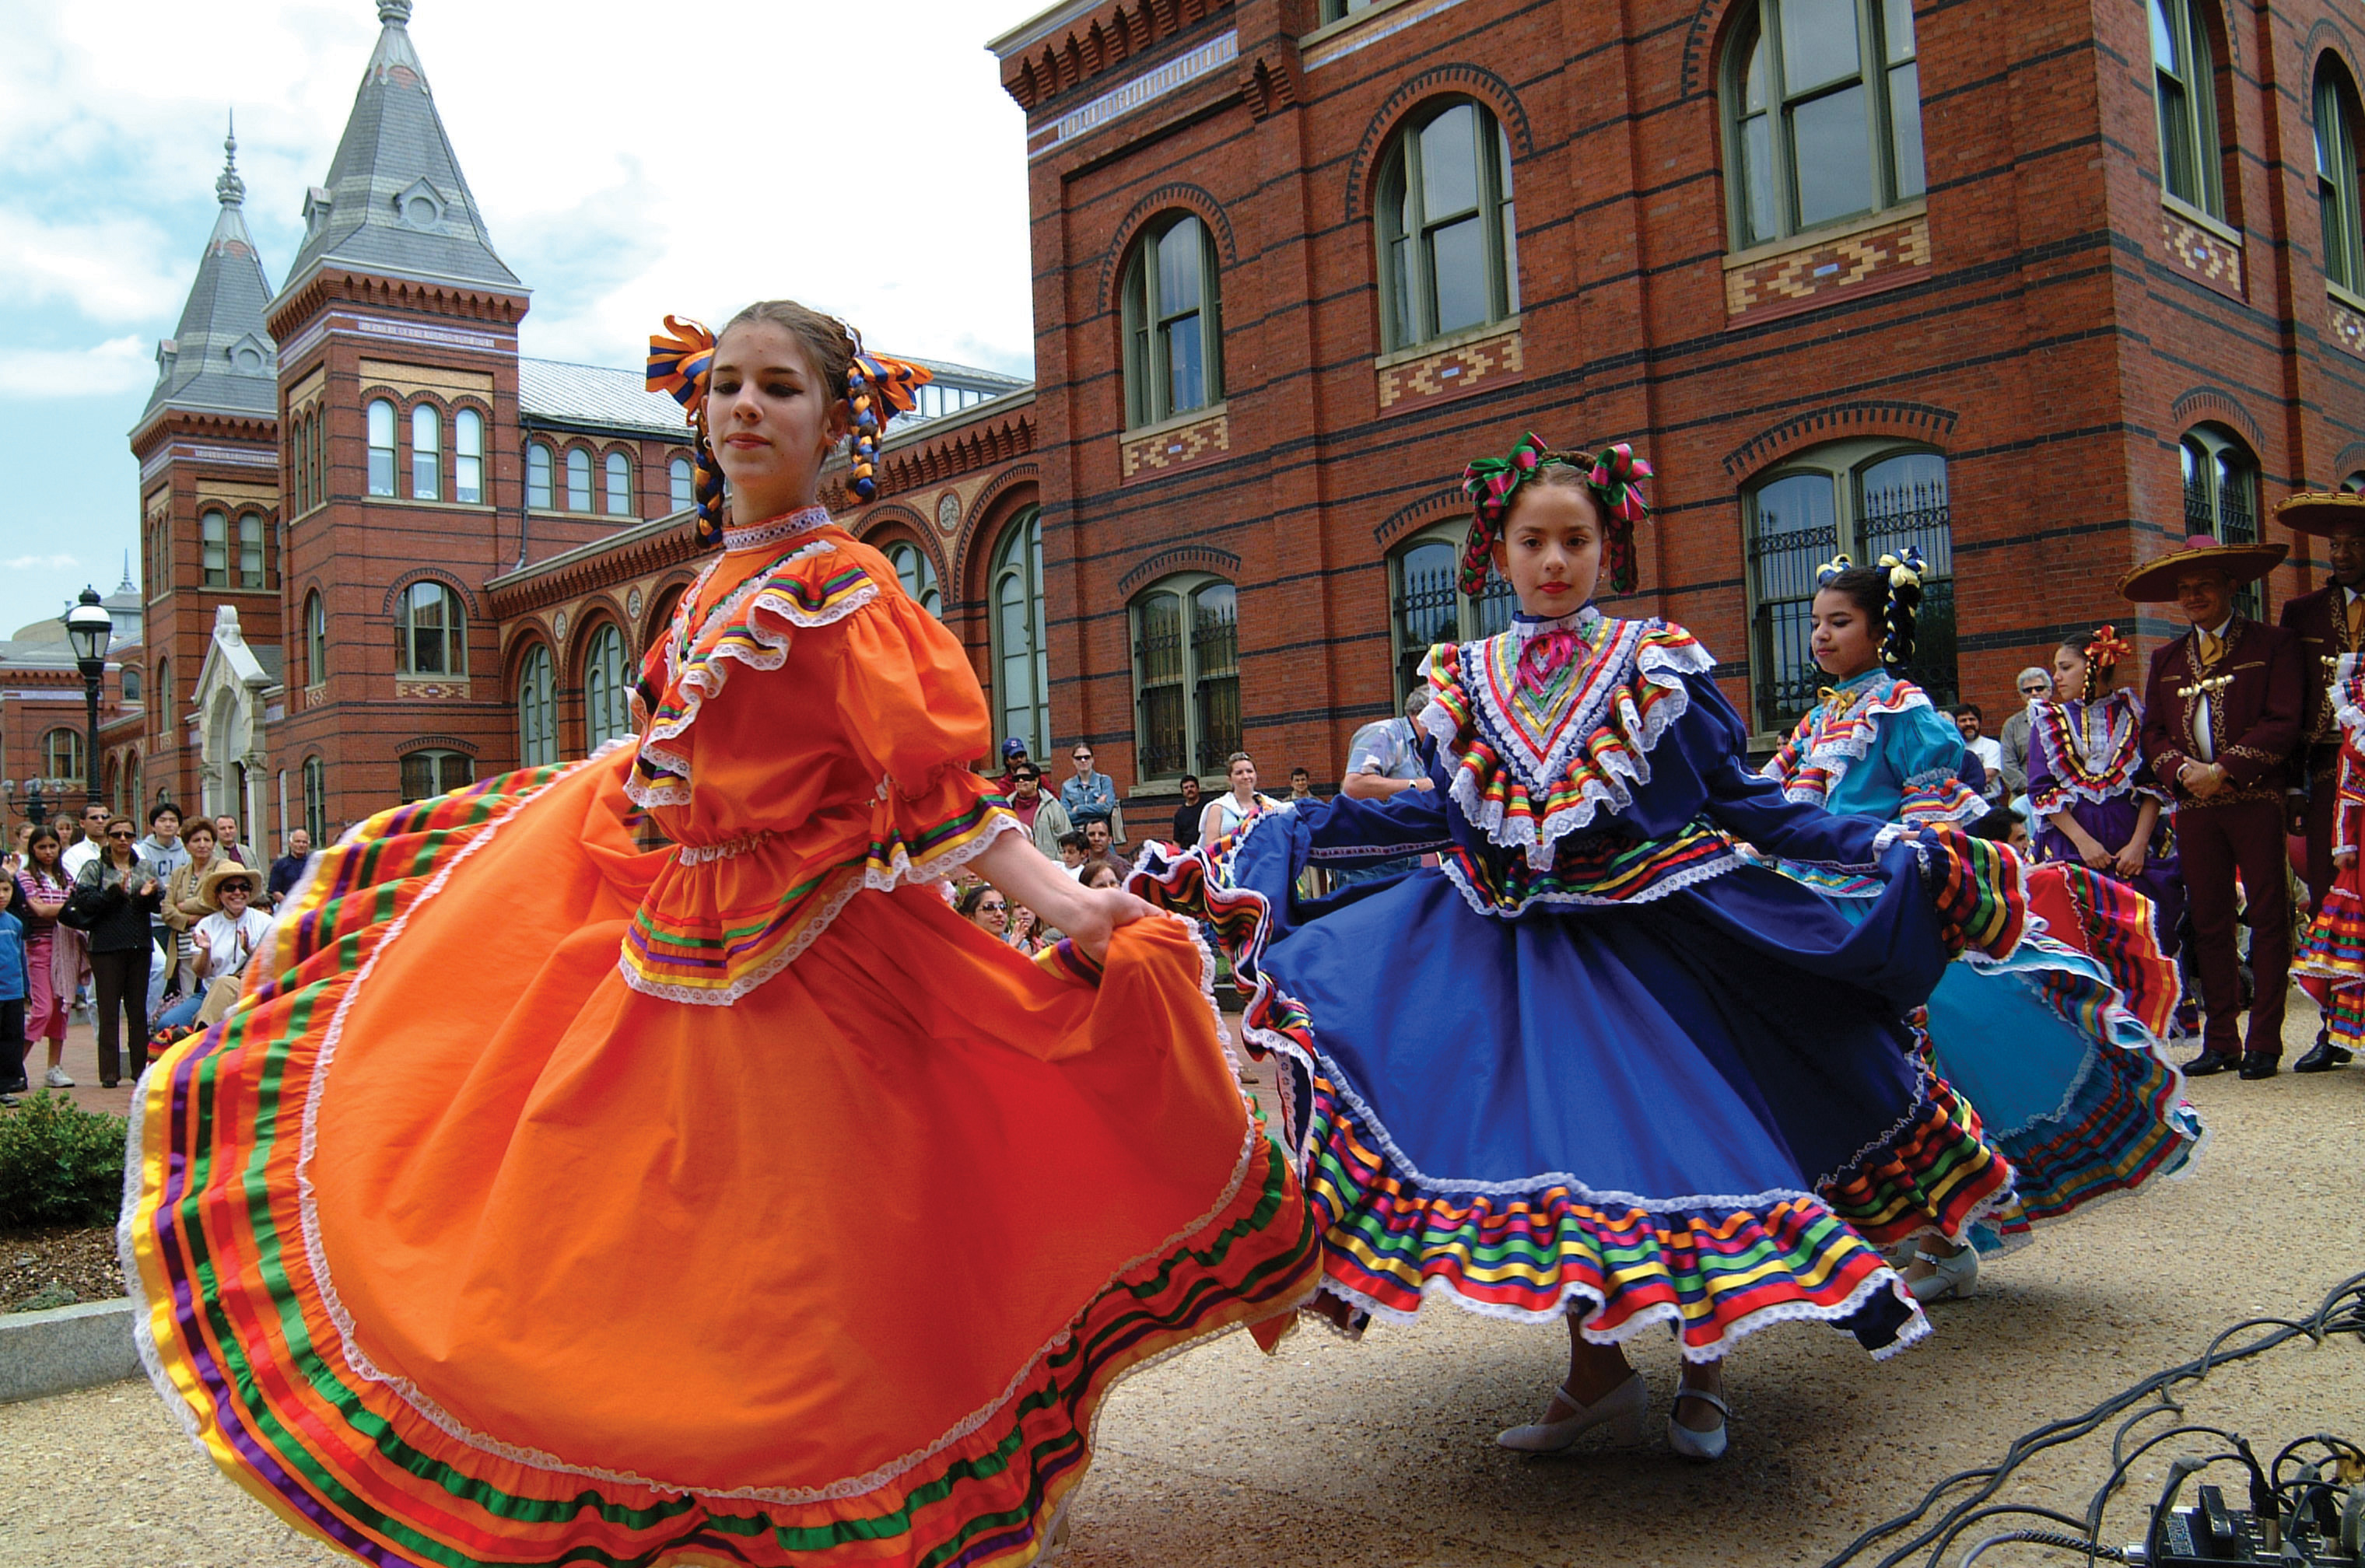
(1336,1454)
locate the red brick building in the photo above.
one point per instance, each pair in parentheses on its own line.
(2036,287)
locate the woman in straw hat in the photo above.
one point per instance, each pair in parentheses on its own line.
(2221,719)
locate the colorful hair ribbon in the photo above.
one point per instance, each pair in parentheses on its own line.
(1493,484)
(872,380)
(681,360)
(2103,650)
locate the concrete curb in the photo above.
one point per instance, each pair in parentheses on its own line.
(64,1348)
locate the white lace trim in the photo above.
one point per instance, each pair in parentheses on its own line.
(699,854)
(755,535)
(443,1420)
(901,869)
(1690,876)
(1837,753)
(1628,765)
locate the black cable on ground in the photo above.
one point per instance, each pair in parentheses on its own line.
(2342,1311)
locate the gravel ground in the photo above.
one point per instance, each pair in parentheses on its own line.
(1336,1454)
(57,1268)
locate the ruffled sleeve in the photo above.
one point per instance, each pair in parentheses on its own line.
(1926,750)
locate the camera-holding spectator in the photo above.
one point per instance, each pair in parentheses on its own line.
(289,868)
(1186,815)
(1043,816)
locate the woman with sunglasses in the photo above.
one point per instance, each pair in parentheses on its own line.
(1090,797)
(128,895)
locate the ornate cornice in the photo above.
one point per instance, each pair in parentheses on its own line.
(1096,43)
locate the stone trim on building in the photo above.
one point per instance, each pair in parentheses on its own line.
(1805,270)
(1489,356)
(1199,437)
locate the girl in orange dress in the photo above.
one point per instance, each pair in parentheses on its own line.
(640,1161)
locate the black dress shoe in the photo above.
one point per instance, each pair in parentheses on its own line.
(2208,1062)
(2257,1064)
(2323,1059)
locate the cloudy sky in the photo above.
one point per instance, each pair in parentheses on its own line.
(630,158)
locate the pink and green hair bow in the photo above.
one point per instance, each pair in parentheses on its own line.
(1615,477)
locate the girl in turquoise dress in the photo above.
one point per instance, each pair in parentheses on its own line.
(2067,1082)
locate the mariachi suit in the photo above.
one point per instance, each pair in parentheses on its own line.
(2329,623)
(2240,708)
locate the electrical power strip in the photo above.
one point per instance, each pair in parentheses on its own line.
(2208,1534)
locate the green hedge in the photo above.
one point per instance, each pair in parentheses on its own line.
(60,1165)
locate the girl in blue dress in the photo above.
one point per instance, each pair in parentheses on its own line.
(2067,1082)
(1594,1064)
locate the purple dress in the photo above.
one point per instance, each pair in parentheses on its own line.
(2086,759)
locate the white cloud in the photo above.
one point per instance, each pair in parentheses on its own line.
(111,268)
(39,563)
(118,364)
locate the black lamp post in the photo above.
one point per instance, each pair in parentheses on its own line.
(89,628)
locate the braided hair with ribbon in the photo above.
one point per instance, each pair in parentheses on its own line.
(2103,650)
(1890,590)
(876,388)
(1614,474)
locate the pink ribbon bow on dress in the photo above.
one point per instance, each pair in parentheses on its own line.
(1546,654)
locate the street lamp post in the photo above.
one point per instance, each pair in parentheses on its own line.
(89,628)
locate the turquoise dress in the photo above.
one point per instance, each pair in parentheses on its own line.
(2067,1082)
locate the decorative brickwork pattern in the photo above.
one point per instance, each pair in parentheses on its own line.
(431,690)
(2348,327)
(2216,261)
(1451,372)
(1840,263)
(1177,448)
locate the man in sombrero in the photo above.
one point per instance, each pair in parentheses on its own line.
(2328,622)
(2220,721)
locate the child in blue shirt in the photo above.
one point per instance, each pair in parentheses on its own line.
(13,981)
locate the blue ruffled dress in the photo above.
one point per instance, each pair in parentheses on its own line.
(2067,1082)
(1595,1060)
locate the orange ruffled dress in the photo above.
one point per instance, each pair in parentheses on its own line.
(558,1198)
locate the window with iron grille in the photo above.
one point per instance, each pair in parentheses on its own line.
(1866,500)
(1186,677)
(1427,606)
(2221,500)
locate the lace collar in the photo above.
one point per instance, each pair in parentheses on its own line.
(1581,621)
(772,531)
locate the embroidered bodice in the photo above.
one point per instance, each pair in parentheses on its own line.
(1876,746)
(2087,751)
(809,736)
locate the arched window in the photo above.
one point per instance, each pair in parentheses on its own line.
(468,457)
(2186,76)
(61,754)
(1187,676)
(606,708)
(131,683)
(1867,498)
(682,494)
(2221,499)
(1173,337)
(432,631)
(537,709)
(918,576)
(320,463)
(1822,114)
(537,477)
(163,696)
(579,479)
(1428,607)
(381,448)
(316,639)
(250,550)
(213,538)
(299,465)
(2336,177)
(426,774)
(316,801)
(2354,484)
(1022,658)
(426,452)
(1448,240)
(620,484)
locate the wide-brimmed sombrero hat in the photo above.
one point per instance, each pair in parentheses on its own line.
(209,885)
(2155,581)
(2329,513)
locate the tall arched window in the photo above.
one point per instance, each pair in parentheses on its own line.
(316,801)
(316,639)
(2221,499)
(918,576)
(164,699)
(681,494)
(607,708)
(131,683)
(61,754)
(299,465)
(1186,677)
(1867,498)
(432,631)
(1173,333)
(1022,659)
(380,423)
(250,550)
(213,541)
(1822,114)
(468,457)
(2185,72)
(1428,607)
(2336,177)
(579,479)
(1448,238)
(426,774)
(537,477)
(320,460)
(426,452)
(537,709)
(620,484)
